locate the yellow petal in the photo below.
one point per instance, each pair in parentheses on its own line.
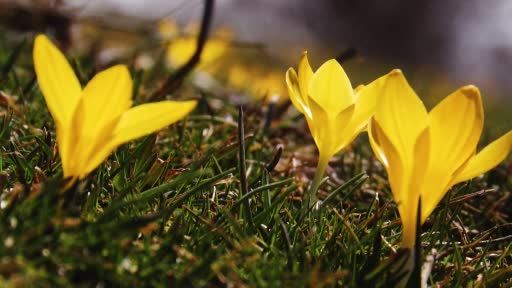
(292,82)
(389,156)
(181,49)
(374,139)
(366,101)
(213,49)
(487,159)
(401,115)
(418,181)
(148,118)
(61,91)
(56,79)
(298,84)
(358,89)
(408,214)
(326,131)
(167,29)
(305,73)
(455,126)
(275,90)
(340,124)
(406,199)
(92,156)
(105,98)
(365,104)
(318,125)
(397,132)
(137,122)
(331,89)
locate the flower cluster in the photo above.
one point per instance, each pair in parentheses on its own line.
(425,154)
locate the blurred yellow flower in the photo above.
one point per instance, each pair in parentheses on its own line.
(167,29)
(335,113)
(239,76)
(241,68)
(180,49)
(93,121)
(271,87)
(425,154)
(262,85)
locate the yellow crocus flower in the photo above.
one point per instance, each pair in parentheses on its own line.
(167,29)
(262,83)
(335,113)
(425,154)
(269,87)
(180,49)
(93,121)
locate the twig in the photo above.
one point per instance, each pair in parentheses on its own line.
(175,80)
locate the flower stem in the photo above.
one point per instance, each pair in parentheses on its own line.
(319,174)
(404,267)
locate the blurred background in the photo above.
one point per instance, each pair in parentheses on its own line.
(439,44)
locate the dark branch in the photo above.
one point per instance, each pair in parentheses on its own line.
(176,79)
